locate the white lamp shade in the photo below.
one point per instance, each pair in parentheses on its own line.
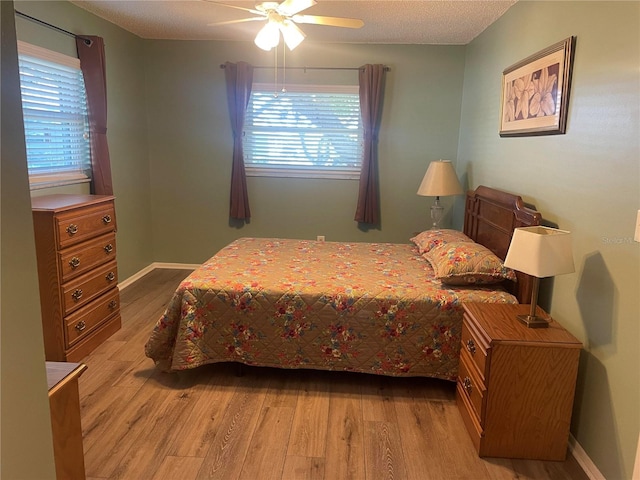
(540,252)
(636,237)
(440,180)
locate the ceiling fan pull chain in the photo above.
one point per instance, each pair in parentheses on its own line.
(275,73)
(284,68)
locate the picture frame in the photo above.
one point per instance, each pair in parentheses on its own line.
(535,92)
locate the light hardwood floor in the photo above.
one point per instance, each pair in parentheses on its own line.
(210,423)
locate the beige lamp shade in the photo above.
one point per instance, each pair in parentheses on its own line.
(636,237)
(440,180)
(540,252)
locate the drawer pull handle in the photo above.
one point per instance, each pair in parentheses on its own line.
(74,262)
(471,347)
(110,277)
(77,295)
(106,219)
(467,385)
(72,229)
(108,248)
(113,304)
(80,326)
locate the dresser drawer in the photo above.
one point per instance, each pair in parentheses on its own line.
(475,347)
(83,289)
(81,224)
(81,258)
(84,321)
(472,386)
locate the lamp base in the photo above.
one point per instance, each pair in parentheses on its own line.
(532,321)
(436,214)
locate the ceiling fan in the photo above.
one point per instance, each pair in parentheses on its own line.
(282,18)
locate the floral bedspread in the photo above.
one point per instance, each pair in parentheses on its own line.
(363,307)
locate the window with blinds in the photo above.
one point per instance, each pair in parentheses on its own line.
(54,108)
(307,131)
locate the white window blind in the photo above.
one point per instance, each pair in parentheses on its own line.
(308,131)
(54,107)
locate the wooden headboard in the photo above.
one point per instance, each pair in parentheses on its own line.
(490,217)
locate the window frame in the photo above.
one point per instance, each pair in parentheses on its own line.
(66,176)
(300,171)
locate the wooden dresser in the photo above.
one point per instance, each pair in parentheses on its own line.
(516,384)
(78,276)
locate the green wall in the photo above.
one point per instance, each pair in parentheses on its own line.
(586,181)
(25,426)
(190,144)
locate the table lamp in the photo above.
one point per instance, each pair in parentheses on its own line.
(440,180)
(539,252)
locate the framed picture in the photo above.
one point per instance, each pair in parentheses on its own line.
(535,92)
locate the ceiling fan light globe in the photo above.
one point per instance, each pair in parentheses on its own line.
(268,37)
(292,35)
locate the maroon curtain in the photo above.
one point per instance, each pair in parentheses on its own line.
(239,78)
(371,79)
(92,64)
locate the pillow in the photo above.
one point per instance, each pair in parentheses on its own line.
(430,239)
(464,263)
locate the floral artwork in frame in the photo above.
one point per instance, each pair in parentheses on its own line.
(535,92)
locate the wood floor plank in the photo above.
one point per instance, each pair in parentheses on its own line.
(414,419)
(303,468)
(266,461)
(113,449)
(183,468)
(229,447)
(97,421)
(283,389)
(445,422)
(139,423)
(309,429)
(198,430)
(159,431)
(345,450)
(384,459)
(377,401)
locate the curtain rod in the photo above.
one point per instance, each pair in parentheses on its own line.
(61,30)
(386,69)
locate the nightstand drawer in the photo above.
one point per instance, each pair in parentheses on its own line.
(475,347)
(82,290)
(82,322)
(469,418)
(82,258)
(472,387)
(87,222)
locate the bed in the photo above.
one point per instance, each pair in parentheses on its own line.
(378,308)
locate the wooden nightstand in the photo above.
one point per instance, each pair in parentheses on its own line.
(516,384)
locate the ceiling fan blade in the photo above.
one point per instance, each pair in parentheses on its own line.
(241,20)
(291,7)
(250,10)
(330,21)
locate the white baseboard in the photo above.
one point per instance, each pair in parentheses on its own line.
(137,276)
(583,460)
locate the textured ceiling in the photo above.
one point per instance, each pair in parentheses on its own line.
(441,22)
